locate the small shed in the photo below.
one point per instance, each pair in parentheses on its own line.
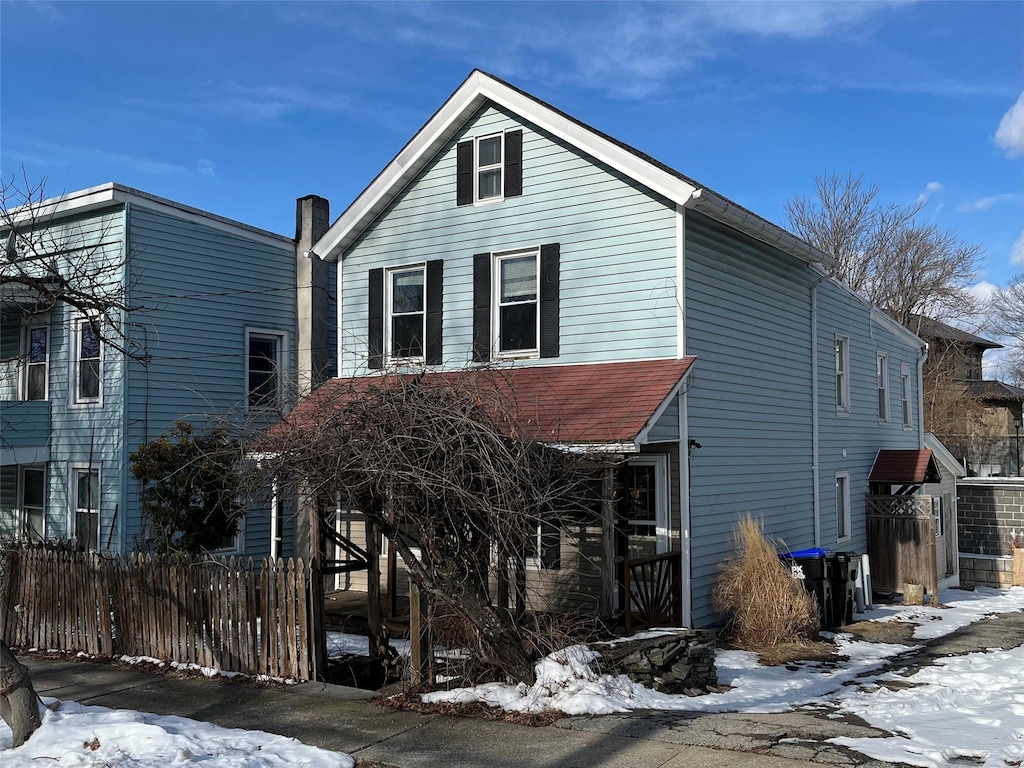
(944,509)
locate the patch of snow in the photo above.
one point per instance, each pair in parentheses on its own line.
(341,644)
(957,609)
(79,735)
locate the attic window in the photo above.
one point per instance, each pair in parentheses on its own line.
(489,168)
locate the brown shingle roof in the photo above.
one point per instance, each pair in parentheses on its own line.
(561,404)
(995,390)
(928,328)
(913,466)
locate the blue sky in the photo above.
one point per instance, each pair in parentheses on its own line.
(239,108)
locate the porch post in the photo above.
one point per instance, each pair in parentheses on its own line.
(608,565)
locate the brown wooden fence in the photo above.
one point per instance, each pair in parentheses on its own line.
(224,614)
(901,543)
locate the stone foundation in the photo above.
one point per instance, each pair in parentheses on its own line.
(680,662)
(986,571)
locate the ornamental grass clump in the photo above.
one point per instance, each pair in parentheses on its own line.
(757,594)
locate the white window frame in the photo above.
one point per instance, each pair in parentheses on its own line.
(22,524)
(844,515)
(282,355)
(75,383)
(662,529)
(478,169)
(882,386)
(75,471)
(237,544)
(937,513)
(389,313)
(28,364)
(905,409)
(496,305)
(842,363)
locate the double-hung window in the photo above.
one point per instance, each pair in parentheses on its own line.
(86,490)
(905,395)
(842,374)
(264,368)
(37,362)
(843,515)
(489,168)
(515,303)
(937,512)
(406,315)
(882,384)
(33,502)
(86,362)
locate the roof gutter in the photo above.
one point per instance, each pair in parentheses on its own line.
(726,211)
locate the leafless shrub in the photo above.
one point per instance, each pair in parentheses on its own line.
(765,604)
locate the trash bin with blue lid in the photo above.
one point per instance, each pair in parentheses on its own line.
(812,567)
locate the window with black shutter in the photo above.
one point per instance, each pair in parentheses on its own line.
(489,168)
(405,314)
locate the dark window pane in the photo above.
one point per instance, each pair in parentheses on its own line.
(262,371)
(88,379)
(34,523)
(407,292)
(407,336)
(36,382)
(518,327)
(87,529)
(519,279)
(88,490)
(490,184)
(90,343)
(490,151)
(37,346)
(33,492)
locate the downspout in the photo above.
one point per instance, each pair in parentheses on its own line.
(921,358)
(815,470)
(686,588)
(122,524)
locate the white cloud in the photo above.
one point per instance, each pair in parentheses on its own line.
(1017,254)
(931,188)
(982,204)
(205,167)
(1010,133)
(983,291)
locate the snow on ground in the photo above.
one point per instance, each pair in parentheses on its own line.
(959,608)
(341,644)
(79,735)
(970,706)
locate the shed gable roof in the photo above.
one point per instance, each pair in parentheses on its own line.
(914,466)
(480,88)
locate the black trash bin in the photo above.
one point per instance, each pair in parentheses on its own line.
(812,567)
(842,573)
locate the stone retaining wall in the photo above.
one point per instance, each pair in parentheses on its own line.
(680,661)
(986,571)
(988,509)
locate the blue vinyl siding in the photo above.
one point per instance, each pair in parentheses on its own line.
(617,243)
(749,400)
(203,287)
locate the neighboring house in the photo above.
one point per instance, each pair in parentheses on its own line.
(508,234)
(217,333)
(978,419)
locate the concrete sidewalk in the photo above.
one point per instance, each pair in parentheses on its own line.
(343,719)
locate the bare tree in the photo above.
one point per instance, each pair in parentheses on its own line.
(19,704)
(884,252)
(1007,313)
(49,261)
(443,469)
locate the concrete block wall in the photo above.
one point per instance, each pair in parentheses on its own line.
(988,509)
(986,571)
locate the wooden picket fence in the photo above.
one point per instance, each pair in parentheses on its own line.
(221,613)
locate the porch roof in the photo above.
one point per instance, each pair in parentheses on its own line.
(603,406)
(910,467)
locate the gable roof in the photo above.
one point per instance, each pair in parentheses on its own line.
(914,466)
(602,406)
(480,88)
(928,328)
(944,457)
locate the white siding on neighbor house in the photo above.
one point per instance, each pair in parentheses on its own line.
(749,395)
(617,277)
(202,287)
(859,434)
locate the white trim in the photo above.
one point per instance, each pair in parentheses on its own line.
(442,127)
(26,344)
(74,469)
(75,364)
(21,521)
(662,508)
(389,273)
(237,544)
(882,385)
(642,436)
(282,357)
(844,409)
(684,510)
(531,353)
(477,200)
(941,452)
(275,517)
(847,512)
(680,281)
(906,413)
(112,194)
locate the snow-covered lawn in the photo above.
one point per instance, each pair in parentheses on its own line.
(971,706)
(79,735)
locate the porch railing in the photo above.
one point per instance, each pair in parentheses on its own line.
(653,591)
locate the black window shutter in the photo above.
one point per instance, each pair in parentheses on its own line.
(550,546)
(464,173)
(481,308)
(513,163)
(375,323)
(435,294)
(549,308)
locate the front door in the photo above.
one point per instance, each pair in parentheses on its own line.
(641,530)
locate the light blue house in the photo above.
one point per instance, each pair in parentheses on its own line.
(221,318)
(508,233)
